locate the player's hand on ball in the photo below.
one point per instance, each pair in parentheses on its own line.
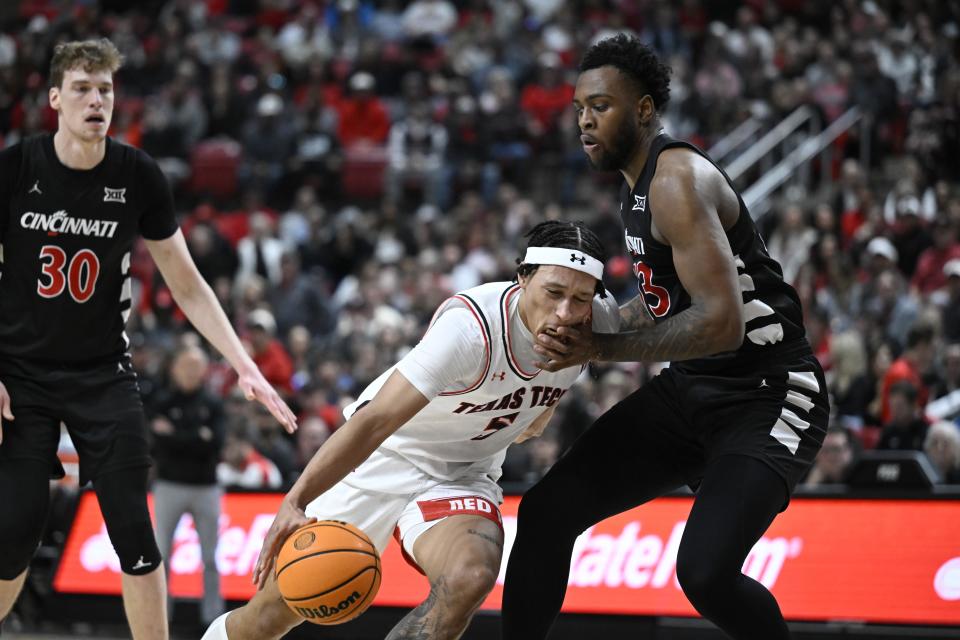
(289,519)
(564,347)
(256,387)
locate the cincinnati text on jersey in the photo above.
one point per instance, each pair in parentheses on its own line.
(60,222)
(634,243)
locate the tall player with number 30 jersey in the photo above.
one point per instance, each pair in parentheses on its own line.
(71,206)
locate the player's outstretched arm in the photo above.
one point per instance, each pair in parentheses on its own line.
(5,409)
(395,403)
(199,303)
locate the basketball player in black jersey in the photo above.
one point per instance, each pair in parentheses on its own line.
(71,206)
(740,412)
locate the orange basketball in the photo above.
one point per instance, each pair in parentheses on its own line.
(328,572)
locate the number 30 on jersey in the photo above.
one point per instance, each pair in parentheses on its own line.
(79,278)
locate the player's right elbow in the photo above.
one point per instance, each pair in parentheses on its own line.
(735,335)
(729,332)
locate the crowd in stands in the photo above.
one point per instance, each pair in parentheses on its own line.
(340,167)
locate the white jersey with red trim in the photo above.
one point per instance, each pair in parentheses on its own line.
(466,428)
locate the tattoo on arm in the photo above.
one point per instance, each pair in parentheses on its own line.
(634,315)
(486,537)
(684,336)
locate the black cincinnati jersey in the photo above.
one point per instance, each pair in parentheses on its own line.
(65,290)
(774,320)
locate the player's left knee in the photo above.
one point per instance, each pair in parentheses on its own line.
(136,546)
(468,584)
(702,579)
(123,500)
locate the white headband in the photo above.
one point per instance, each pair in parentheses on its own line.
(571,258)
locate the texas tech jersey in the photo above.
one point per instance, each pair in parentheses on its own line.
(65,291)
(774,321)
(467,430)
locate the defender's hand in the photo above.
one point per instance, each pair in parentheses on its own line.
(256,387)
(567,347)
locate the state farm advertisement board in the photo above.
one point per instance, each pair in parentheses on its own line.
(895,561)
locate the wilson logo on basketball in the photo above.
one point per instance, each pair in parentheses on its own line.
(325,612)
(304,541)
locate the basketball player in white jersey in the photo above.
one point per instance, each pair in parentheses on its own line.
(435,427)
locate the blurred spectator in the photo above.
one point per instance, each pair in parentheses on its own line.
(664,34)
(835,460)
(267,352)
(243,466)
(881,255)
(165,138)
(304,37)
(387,21)
(363,116)
(274,444)
(416,152)
(946,391)
(905,429)
(835,286)
(339,251)
(216,44)
(911,367)
(268,139)
(505,124)
(951,307)
(898,61)
(299,299)
(467,156)
(223,104)
(318,158)
(294,226)
(188,431)
(300,346)
(260,252)
(851,386)
(791,241)
(213,255)
(182,103)
(905,198)
(311,435)
(545,101)
(930,274)
(888,308)
(717,83)
(910,236)
(942,446)
(876,94)
(432,18)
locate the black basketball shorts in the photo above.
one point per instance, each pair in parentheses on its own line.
(100,406)
(777,413)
